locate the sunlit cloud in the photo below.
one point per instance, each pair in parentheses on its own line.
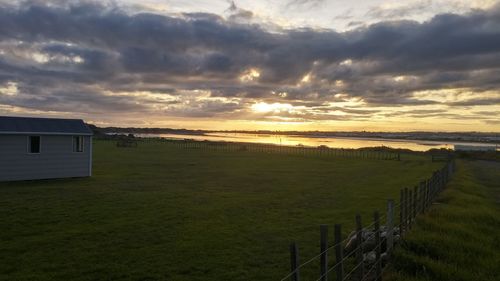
(346,62)
(9,89)
(457,95)
(250,75)
(306,79)
(263,107)
(399,78)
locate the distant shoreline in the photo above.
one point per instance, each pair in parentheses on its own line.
(473,137)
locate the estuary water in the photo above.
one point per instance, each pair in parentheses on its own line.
(332,142)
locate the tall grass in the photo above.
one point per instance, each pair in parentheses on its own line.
(459,238)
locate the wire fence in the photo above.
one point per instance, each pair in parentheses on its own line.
(374,243)
(380,153)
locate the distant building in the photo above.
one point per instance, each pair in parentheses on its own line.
(474,148)
(44,148)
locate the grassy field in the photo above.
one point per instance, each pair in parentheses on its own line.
(459,239)
(158,212)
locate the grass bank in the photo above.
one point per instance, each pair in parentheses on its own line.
(459,238)
(159,212)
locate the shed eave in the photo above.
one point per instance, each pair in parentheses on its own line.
(46,133)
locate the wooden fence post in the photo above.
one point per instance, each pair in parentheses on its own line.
(410,213)
(324,252)
(378,260)
(390,225)
(338,253)
(294,262)
(402,213)
(359,249)
(438,176)
(434,190)
(422,201)
(414,207)
(441,176)
(406,205)
(428,195)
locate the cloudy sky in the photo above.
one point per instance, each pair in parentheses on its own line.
(373,65)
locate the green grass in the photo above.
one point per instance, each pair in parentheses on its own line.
(459,239)
(158,212)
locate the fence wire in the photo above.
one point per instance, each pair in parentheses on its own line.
(431,189)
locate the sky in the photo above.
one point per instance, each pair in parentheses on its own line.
(331,65)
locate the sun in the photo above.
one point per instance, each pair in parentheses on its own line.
(263,107)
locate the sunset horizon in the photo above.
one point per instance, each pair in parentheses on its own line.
(269,140)
(254,65)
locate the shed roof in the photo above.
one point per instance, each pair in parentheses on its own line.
(43,126)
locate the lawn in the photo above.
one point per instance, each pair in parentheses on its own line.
(459,238)
(160,212)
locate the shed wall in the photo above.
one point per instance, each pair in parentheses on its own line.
(56,160)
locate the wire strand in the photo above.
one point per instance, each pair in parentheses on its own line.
(408,219)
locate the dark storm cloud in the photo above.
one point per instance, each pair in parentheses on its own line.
(77,45)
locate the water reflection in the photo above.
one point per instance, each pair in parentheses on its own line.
(333,142)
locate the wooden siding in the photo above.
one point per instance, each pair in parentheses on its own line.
(56,160)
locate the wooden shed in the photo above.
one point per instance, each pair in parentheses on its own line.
(44,148)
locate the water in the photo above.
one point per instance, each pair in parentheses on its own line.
(333,142)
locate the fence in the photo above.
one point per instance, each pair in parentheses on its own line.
(362,255)
(126,143)
(372,153)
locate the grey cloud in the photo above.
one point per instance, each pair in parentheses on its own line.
(476,102)
(353,24)
(238,14)
(301,3)
(121,50)
(419,7)
(63,99)
(203,108)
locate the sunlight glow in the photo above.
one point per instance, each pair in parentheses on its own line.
(306,78)
(250,75)
(399,78)
(10,89)
(43,58)
(280,94)
(40,58)
(263,107)
(346,62)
